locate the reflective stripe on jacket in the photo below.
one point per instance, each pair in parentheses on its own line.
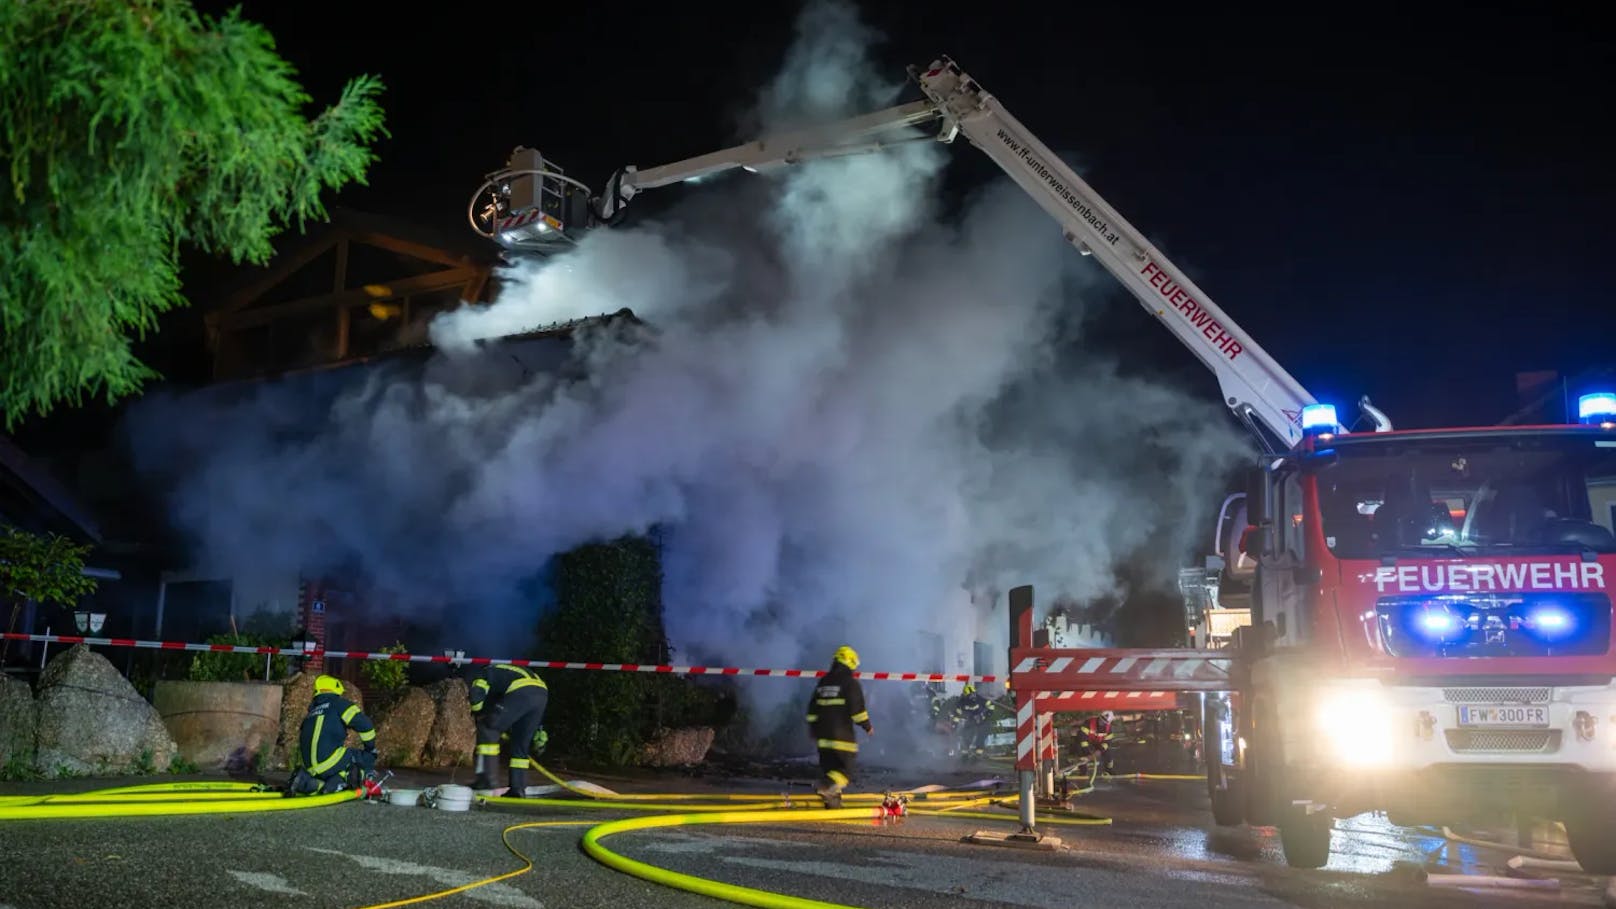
(501,679)
(325,729)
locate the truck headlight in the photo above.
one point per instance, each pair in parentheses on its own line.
(1356,727)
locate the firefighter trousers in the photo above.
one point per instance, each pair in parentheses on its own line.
(836,768)
(517,715)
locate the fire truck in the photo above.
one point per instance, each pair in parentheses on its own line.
(1414,621)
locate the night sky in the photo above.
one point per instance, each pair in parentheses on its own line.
(1402,203)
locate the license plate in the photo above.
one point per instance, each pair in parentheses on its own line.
(1503,716)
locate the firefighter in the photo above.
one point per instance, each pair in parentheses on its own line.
(837,705)
(508,703)
(1096,741)
(971,713)
(327,764)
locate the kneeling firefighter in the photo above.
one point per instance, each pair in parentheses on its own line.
(836,707)
(327,764)
(508,702)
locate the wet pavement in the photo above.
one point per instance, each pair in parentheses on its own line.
(1161,850)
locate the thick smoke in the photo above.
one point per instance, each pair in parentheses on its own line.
(842,411)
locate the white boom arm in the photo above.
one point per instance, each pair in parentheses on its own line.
(1254,385)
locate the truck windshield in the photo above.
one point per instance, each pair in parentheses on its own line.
(1493,495)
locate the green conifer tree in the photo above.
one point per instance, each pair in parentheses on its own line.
(130,127)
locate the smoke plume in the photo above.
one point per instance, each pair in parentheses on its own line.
(847,414)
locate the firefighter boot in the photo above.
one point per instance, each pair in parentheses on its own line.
(483,782)
(518,788)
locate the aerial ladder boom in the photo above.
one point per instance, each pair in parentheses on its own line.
(1254,386)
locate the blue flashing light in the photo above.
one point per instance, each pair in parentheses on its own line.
(1551,620)
(1319,418)
(1438,624)
(1598,407)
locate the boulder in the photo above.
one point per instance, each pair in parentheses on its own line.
(19,722)
(296,693)
(92,721)
(221,725)
(678,747)
(453,739)
(403,727)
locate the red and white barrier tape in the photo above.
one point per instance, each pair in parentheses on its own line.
(483,661)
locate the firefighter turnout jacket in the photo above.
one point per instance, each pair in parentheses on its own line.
(325,729)
(836,707)
(500,680)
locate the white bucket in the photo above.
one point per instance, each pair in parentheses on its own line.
(453,798)
(405,797)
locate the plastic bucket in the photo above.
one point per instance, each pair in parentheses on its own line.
(453,798)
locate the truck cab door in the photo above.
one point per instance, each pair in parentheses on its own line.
(1281,561)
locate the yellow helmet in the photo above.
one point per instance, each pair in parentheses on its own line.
(969,689)
(327,684)
(847,656)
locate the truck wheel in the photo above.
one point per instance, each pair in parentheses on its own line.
(1305,837)
(1592,836)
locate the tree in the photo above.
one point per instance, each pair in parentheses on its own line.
(132,127)
(44,569)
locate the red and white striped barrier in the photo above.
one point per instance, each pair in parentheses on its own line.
(1026,733)
(311,651)
(1042,669)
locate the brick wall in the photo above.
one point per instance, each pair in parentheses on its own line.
(311,608)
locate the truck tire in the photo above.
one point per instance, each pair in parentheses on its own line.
(1305,837)
(1265,790)
(1592,837)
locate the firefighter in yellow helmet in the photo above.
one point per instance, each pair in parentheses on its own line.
(836,707)
(971,717)
(326,763)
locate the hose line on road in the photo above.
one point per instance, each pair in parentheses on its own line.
(735,893)
(505,836)
(918,794)
(154,791)
(162,799)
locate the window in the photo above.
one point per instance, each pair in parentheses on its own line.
(1503,494)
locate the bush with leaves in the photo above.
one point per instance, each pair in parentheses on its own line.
(46,569)
(388,678)
(608,609)
(238,667)
(131,128)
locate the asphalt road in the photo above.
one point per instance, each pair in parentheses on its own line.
(1161,851)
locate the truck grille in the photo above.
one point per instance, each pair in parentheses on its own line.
(1504,741)
(1497,695)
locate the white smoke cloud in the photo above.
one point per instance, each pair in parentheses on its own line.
(842,411)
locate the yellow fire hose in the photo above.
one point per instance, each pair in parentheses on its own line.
(734,893)
(151,791)
(938,795)
(505,836)
(179,805)
(121,798)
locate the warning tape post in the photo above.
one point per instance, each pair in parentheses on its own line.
(311,651)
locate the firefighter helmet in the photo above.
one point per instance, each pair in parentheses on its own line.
(969,689)
(847,656)
(327,684)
